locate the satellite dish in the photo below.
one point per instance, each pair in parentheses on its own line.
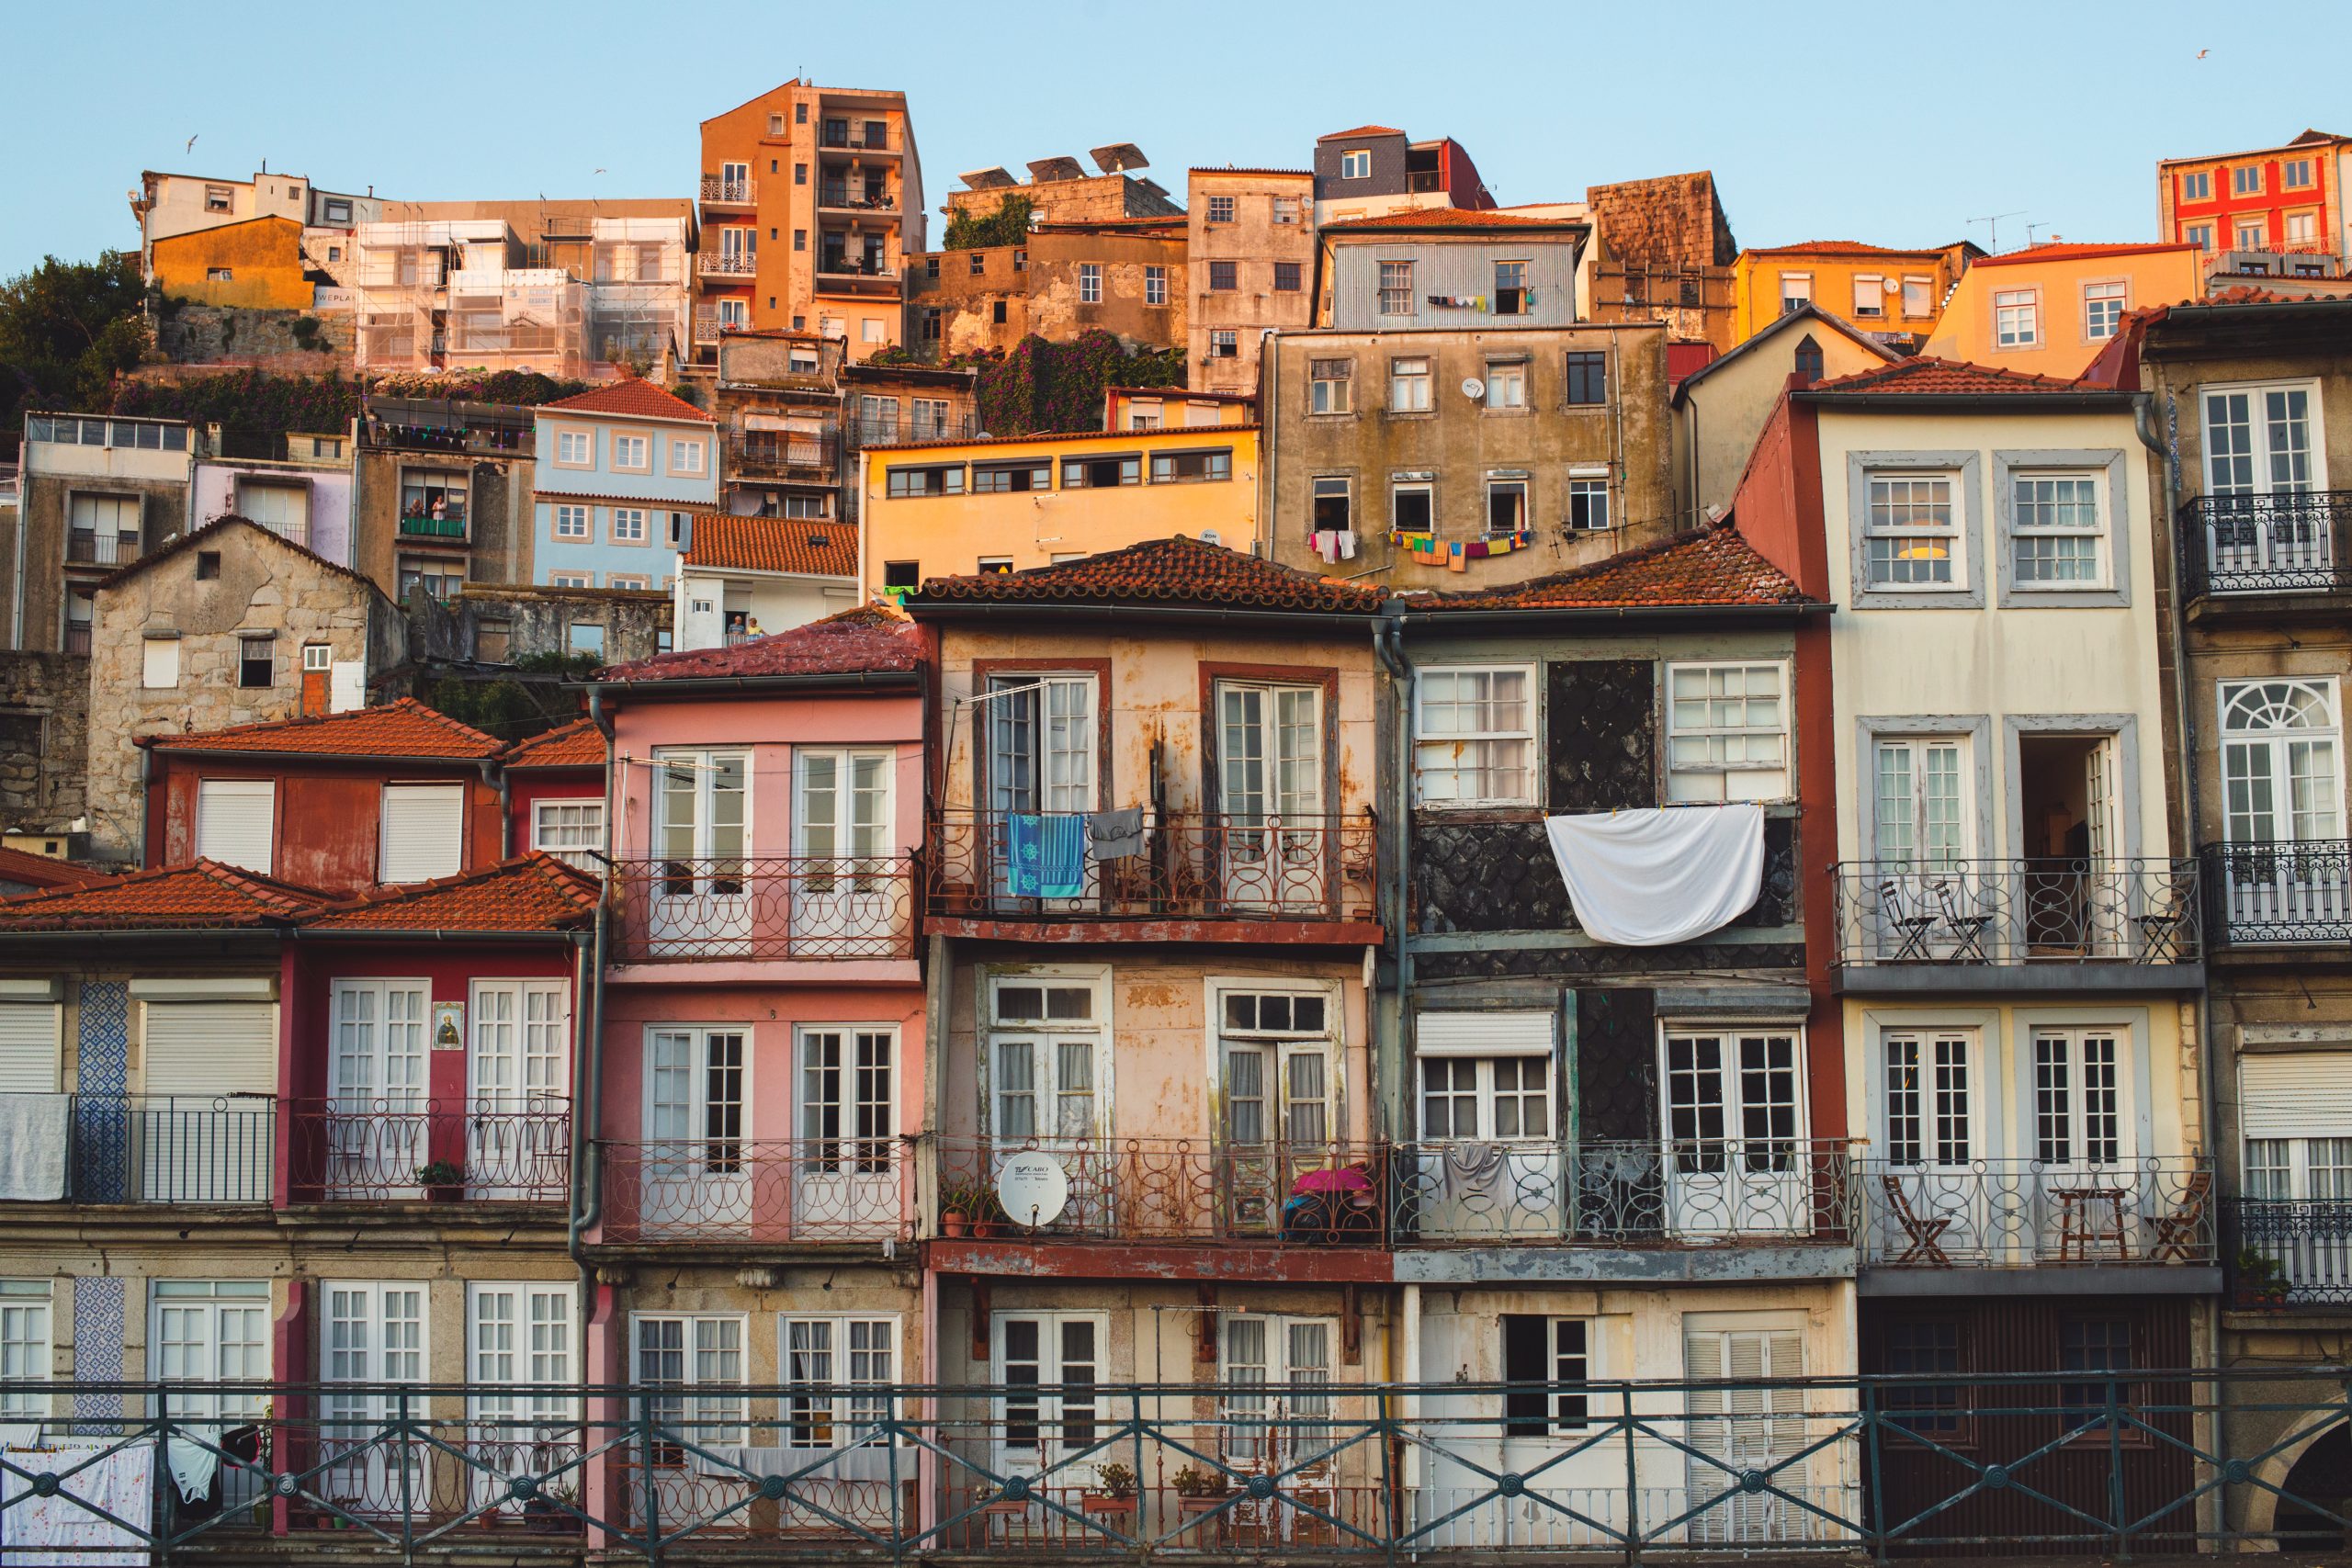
(1033,1188)
(1472,387)
(1890,285)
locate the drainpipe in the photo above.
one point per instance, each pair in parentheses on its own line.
(1268,404)
(587,1184)
(1388,642)
(506,823)
(146,761)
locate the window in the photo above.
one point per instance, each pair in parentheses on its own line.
(1918,298)
(434,498)
(2103,307)
(220,274)
(1331,386)
(1044,1042)
(979,262)
(2054,531)
(1101,473)
(23,1346)
(372,1334)
(927,417)
(1274,1046)
(1923,1348)
(1286,209)
(256,661)
(1395,288)
(2016,322)
(1145,413)
(629,524)
(1506,507)
(1191,467)
(423,831)
(1588,377)
(575,448)
(2302,229)
(800,173)
(1727,732)
(1806,362)
(1008,479)
(1921,803)
(208,566)
(929,264)
(1930,1107)
(806,508)
(898,483)
(1333,503)
(1220,209)
(2258,441)
(217,199)
(686,456)
(571,579)
(2196,185)
(1089,283)
(694,1101)
(634,581)
(338,213)
(160,662)
(2095,1345)
(1412,506)
(1285,277)
(2281,779)
(210,1332)
(1224,343)
(317,657)
(1796,291)
(902,576)
(2252,234)
(1020,261)
(1587,504)
(1511,297)
(1408,386)
(1154,285)
(1506,384)
(585,637)
(1473,735)
(1736,1087)
(1222,276)
(1910,536)
(520,1336)
(1059,1351)
(995,566)
(2198,234)
(2295,174)
(691,1365)
(572,522)
(823,1360)
(2246,180)
(632,452)
(1355,163)
(1869,296)
(1548,1361)
(1502,1096)
(2077,1097)
(568,830)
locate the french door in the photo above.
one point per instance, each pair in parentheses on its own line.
(1275,1058)
(374,1336)
(1922,896)
(517,1088)
(2282,793)
(2086,1190)
(1049,1089)
(1041,762)
(1049,1363)
(519,1346)
(2258,455)
(845,1179)
(378,1131)
(1271,847)
(828,1364)
(702,903)
(1934,1133)
(697,1173)
(207,1333)
(1736,1162)
(845,900)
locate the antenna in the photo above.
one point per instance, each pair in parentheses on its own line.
(1995,220)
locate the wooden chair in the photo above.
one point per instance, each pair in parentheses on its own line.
(2181,1234)
(1924,1232)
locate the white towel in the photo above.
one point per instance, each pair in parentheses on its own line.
(36,1131)
(1651,877)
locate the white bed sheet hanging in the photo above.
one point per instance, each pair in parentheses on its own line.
(1650,877)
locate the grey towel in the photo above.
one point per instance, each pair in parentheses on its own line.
(1116,835)
(35,1132)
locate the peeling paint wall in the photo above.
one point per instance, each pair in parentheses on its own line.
(1039,287)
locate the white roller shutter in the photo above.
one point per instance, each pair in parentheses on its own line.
(195,1144)
(1482,1034)
(28,1048)
(423,831)
(236,821)
(212,1048)
(2296,1094)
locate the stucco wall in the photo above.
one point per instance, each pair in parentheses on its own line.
(1043,297)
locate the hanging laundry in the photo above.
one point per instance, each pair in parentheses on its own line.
(1654,876)
(1023,833)
(1061,867)
(1116,835)
(1455,561)
(1347,544)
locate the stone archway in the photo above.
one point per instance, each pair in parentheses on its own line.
(2263,1506)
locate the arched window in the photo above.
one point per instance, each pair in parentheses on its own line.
(2280,772)
(1808,360)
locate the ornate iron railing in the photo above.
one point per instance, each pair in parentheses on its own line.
(392,1149)
(779,452)
(860,430)
(2291,1251)
(2280,543)
(2110,1461)
(2018,911)
(2293,891)
(727,263)
(1705,1192)
(1306,1191)
(1180,865)
(755,1191)
(722,191)
(2153,1211)
(765,908)
(128,1148)
(88,546)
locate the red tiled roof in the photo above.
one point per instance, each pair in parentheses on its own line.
(532,892)
(1363,130)
(44,871)
(205,896)
(1450,218)
(634,396)
(1846,248)
(871,638)
(2067,250)
(406,728)
(1713,565)
(1239,169)
(1947,376)
(579,744)
(773,544)
(1179,570)
(2254,294)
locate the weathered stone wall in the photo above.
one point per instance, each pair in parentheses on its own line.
(44,739)
(210,334)
(496,624)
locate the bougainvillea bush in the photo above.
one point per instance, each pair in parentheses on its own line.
(256,401)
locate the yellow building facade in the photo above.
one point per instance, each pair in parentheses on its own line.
(2049,308)
(257,263)
(944,508)
(1877,289)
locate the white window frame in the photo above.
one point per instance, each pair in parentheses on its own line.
(2263,458)
(629,526)
(1796,288)
(1411,390)
(574,523)
(538,1347)
(1426,742)
(1154,285)
(1911,533)
(1250,1433)
(689,456)
(812,1424)
(1933,1096)
(1355,163)
(632,453)
(1496,484)
(2100,534)
(1048,1035)
(575,448)
(1869,296)
(27,1346)
(210,1304)
(1053,1413)
(2088,1143)
(1569,1373)
(569,841)
(1331,394)
(1717,776)
(2250,233)
(1396,287)
(1425,488)
(1734,1113)
(2023,331)
(1507,386)
(372,1358)
(1920,854)
(2099,326)
(1278,1047)
(1919,296)
(1089,283)
(2278,745)
(160,663)
(2196,185)
(1484,1095)
(1594,494)
(709,1420)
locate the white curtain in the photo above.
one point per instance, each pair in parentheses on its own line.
(1647,878)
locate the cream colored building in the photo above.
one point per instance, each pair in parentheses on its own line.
(1719,412)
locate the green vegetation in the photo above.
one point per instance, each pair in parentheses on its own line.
(66,328)
(1007,225)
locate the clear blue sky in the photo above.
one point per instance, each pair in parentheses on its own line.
(1888,121)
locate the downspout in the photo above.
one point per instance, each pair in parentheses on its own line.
(146,761)
(506,823)
(587,1184)
(1388,642)
(1270,366)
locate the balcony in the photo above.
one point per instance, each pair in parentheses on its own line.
(2157,1211)
(766,908)
(847,275)
(849,199)
(435,424)
(447,528)
(2240,546)
(2294,893)
(709,324)
(1177,1189)
(101,1148)
(873,137)
(1979,924)
(2293,1252)
(864,430)
(87,547)
(780,454)
(415,1150)
(1244,875)
(759,1191)
(727,263)
(717,190)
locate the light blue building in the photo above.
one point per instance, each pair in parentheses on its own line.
(621,471)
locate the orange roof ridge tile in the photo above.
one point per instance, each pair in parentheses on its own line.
(632,395)
(1178,569)
(404,727)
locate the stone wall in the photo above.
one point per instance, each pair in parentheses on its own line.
(240,334)
(504,624)
(44,741)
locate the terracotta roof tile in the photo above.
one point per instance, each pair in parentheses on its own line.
(1240,169)
(1179,570)
(579,744)
(870,638)
(532,892)
(406,728)
(633,396)
(1845,248)
(825,548)
(2068,250)
(1713,565)
(1363,130)
(1945,376)
(1450,218)
(205,896)
(44,871)
(1168,435)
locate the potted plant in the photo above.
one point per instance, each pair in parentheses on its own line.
(442,1180)
(1115,1492)
(959,1205)
(988,1214)
(1198,1493)
(2261,1282)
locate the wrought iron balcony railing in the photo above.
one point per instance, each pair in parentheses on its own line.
(2291,1251)
(2152,1210)
(1306,1191)
(1183,866)
(875,430)
(784,454)
(849,199)
(759,1191)
(2018,911)
(728,264)
(413,1149)
(2293,891)
(88,546)
(765,908)
(128,1148)
(719,190)
(1623,1194)
(2281,543)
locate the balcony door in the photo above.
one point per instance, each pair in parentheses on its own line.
(1489,1163)
(697,1170)
(1047,1363)
(1281,1172)
(2282,797)
(377,1125)
(1049,1089)
(205,1131)
(1932,1196)
(2261,451)
(518,1088)
(845,1175)
(1736,1163)
(702,901)
(1922,890)
(1742,1427)
(2076,896)
(1041,781)
(372,1341)
(519,1346)
(845,900)
(1268,848)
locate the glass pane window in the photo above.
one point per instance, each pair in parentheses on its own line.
(1727,732)
(1395,288)
(1473,735)
(1926,1348)
(1331,386)
(1408,386)
(1910,536)
(2055,534)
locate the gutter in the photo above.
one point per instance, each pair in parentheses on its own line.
(1330,622)
(1981,402)
(588,1055)
(858,680)
(1517,617)
(1389,642)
